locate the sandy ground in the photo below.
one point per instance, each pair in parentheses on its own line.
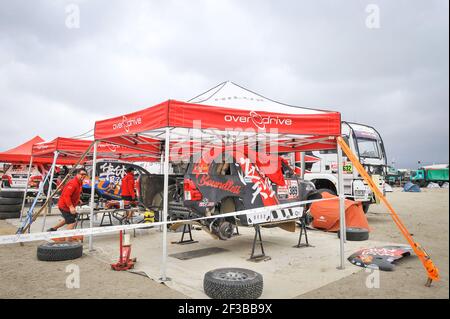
(23,276)
(425,214)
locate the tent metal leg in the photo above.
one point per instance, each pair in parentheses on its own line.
(342,227)
(49,193)
(166,205)
(91,215)
(26,188)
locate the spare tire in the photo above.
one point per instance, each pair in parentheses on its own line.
(355,234)
(12,194)
(59,251)
(233,283)
(10,201)
(9,215)
(10,208)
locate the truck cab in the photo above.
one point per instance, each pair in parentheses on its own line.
(367,144)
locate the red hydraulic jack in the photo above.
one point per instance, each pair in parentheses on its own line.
(125,262)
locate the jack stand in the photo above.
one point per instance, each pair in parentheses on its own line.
(187,241)
(262,256)
(189,231)
(302,229)
(237,231)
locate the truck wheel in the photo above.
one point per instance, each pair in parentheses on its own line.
(233,283)
(59,251)
(10,201)
(10,208)
(355,234)
(11,194)
(9,215)
(326,190)
(365,207)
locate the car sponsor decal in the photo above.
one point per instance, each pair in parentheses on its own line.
(262,185)
(229,186)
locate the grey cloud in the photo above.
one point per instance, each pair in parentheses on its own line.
(130,55)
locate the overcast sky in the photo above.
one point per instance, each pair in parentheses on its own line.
(56,79)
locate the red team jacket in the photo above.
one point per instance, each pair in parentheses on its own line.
(70,195)
(127,187)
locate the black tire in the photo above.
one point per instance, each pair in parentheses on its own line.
(10,208)
(11,194)
(365,207)
(59,251)
(355,234)
(233,283)
(326,190)
(9,215)
(10,201)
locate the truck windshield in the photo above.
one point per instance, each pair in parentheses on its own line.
(368,148)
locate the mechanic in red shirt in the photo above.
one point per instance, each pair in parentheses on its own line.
(127,188)
(69,199)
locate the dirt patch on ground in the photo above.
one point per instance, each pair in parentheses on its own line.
(426,215)
(23,276)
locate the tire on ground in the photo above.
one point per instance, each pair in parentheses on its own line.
(10,201)
(59,251)
(9,215)
(11,194)
(233,283)
(355,234)
(10,208)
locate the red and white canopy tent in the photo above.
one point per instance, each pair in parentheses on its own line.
(224,115)
(71,151)
(21,153)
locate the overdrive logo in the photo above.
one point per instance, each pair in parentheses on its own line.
(258,120)
(126,123)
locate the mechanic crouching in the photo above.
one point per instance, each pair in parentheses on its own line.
(69,200)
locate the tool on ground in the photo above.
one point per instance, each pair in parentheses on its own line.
(432,270)
(125,262)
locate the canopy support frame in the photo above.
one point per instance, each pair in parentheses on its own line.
(49,192)
(26,188)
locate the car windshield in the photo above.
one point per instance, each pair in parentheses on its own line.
(368,148)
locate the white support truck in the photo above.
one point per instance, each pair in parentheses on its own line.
(367,144)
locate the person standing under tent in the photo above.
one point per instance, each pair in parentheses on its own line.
(69,200)
(127,188)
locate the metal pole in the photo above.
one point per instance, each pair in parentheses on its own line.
(342,228)
(166,204)
(302,165)
(91,215)
(49,192)
(26,188)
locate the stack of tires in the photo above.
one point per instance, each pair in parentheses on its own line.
(10,204)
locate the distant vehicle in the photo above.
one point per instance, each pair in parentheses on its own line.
(396,176)
(367,144)
(15,177)
(108,179)
(425,175)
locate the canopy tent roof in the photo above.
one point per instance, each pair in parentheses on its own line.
(228,114)
(71,149)
(22,153)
